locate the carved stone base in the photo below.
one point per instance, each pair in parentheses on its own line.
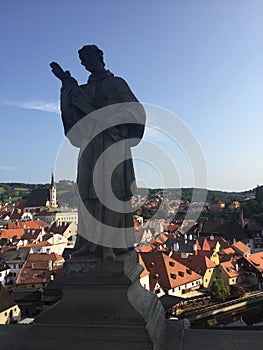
(103,307)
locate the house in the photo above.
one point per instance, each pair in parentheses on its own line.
(231,273)
(228,254)
(212,243)
(15,259)
(4,273)
(64,228)
(241,248)
(29,224)
(9,310)
(145,275)
(62,215)
(201,264)
(256,230)
(39,248)
(185,243)
(39,270)
(228,229)
(217,205)
(38,199)
(168,276)
(31,236)
(11,235)
(57,243)
(5,216)
(253,266)
(212,255)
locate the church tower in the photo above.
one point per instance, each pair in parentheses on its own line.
(53,194)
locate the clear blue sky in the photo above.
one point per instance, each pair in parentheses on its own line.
(201,59)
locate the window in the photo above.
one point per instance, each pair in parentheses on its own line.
(171,263)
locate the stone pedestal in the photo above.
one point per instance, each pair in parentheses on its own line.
(103,307)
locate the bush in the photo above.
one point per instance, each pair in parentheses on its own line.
(219,291)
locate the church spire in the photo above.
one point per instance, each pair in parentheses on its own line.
(53,193)
(52,180)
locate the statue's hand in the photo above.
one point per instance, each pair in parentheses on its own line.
(58,71)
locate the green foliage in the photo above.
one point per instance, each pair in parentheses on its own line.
(219,291)
(12,192)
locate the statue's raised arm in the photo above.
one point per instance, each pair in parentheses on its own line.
(58,71)
(61,74)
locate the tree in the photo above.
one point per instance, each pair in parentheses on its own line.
(219,291)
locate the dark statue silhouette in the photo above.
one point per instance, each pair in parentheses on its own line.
(102,90)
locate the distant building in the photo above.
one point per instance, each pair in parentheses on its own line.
(42,198)
(15,259)
(65,215)
(168,276)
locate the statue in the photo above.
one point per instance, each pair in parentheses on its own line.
(78,102)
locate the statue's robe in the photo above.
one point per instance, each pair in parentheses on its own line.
(123,122)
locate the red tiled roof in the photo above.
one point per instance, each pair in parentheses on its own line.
(171,227)
(40,244)
(231,269)
(58,227)
(166,271)
(228,250)
(241,248)
(256,259)
(145,272)
(31,234)
(21,204)
(45,257)
(37,272)
(33,224)
(144,248)
(197,263)
(12,233)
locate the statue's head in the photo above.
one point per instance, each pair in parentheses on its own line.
(91,58)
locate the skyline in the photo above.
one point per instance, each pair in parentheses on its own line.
(200,60)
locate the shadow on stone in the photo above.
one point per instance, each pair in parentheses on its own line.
(103,307)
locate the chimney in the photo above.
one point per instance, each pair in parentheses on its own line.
(50,265)
(195,249)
